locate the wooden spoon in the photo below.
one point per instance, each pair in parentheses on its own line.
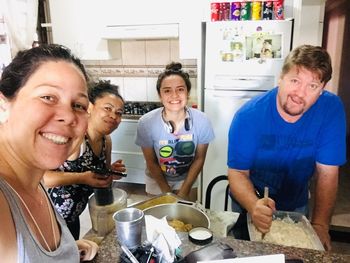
(265,199)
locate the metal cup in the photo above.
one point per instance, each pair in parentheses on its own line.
(129,223)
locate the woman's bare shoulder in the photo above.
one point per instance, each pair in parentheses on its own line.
(8,248)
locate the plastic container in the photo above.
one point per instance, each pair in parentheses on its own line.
(102,215)
(200,236)
(295,217)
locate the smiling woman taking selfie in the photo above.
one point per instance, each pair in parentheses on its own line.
(43,115)
(174,138)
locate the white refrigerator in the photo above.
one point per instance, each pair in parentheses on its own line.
(240,59)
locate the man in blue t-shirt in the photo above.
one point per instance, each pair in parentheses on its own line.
(283,138)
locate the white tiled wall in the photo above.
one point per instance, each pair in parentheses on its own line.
(135,89)
(119,81)
(174,50)
(140,64)
(152,94)
(158,52)
(133,52)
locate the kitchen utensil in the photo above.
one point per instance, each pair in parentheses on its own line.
(266,196)
(102,215)
(129,254)
(129,222)
(186,213)
(150,254)
(104,196)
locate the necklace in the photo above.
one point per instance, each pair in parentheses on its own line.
(33,219)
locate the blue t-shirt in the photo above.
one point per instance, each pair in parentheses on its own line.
(175,152)
(283,155)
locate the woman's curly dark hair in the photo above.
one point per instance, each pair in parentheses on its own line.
(101,88)
(174,68)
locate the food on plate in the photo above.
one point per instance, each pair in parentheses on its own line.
(166,199)
(179,225)
(288,233)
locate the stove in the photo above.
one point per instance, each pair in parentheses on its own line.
(138,108)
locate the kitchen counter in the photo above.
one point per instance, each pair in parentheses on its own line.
(110,250)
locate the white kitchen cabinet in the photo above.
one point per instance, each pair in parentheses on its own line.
(124,148)
(79,24)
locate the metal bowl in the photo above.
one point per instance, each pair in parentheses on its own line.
(183,212)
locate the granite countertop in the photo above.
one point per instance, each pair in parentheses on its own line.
(110,250)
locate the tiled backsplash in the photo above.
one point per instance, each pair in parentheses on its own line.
(137,68)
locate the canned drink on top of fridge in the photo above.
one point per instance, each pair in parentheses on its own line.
(245,10)
(278,9)
(256,10)
(235,11)
(225,11)
(215,8)
(267,10)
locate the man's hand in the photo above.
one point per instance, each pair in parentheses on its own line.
(323,234)
(262,214)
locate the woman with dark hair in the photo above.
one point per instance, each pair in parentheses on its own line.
(72,183)
(43,115)
(174,138)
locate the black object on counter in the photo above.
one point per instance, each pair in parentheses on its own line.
(104,196)
(139,108)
